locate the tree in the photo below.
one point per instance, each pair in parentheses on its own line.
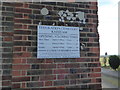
(114,61)
(104,61)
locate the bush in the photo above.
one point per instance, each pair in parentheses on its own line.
(114,61)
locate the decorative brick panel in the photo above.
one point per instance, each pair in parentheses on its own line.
(18,51)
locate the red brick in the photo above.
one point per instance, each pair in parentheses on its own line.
(91,39)
(96,80)
(35,61)
(93,80)
(23,73)
(72,65)
(7,39)
(18,15)
(35,6)
(25,54)
(23,85)
(97,69)
(17,37)
(21,67)
(17,61)
(83,59)
(17,49)
(25,27)
(25,16)
(61,71)
(48,72)
(7,33)
(49,60)
(23,61)
(8,4)
(24,37)
(94,49)
(18,4)
(73,81)
(22,32)
(17,55)
(16,73)
(61,66)
(60,88)
(47,78)
(24,49)
(94,75)
(18,26)
(16,85)
(48,83)
(49,88)
(6,77)
(61,76)
(20,79)
(25,21)
(93,7)
(98,75)
(62,82)
(48,66)
(26,5)
(6,83)
(94,3)
(35,84)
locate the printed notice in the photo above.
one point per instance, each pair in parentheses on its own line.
(58,42)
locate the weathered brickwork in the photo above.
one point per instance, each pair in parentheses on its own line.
(6,42)
(18,50)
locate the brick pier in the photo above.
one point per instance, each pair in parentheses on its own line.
(20,68)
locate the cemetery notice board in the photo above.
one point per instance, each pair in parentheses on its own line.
(58,42)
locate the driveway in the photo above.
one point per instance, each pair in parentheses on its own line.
(110,79)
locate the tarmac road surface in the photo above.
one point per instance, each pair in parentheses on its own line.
(110,79)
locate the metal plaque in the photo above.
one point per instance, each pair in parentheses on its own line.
(58,42)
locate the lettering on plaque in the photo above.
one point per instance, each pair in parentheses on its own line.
(58,42)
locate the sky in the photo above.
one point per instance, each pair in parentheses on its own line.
(108,26)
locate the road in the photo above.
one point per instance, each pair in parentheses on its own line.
(110,79)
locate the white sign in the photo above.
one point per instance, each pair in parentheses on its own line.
(58,42)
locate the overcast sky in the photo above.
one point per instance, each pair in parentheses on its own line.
(108,26)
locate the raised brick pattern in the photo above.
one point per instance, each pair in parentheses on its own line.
(20,66)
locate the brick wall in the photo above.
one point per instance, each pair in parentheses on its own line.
(20,66)
(6,34)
